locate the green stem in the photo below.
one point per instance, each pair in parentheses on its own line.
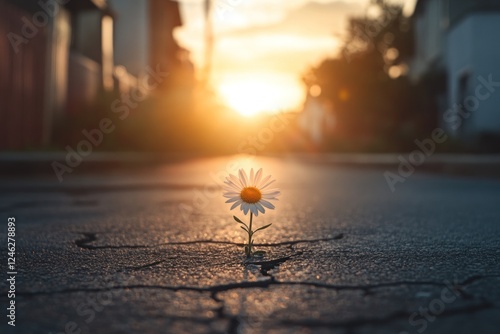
(250,233)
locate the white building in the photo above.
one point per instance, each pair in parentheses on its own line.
(143,35)
(457,52)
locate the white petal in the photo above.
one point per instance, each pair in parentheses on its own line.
(267,204)
(260,207)
(227,179)
(245,208)
(270,193)
(264,187)
(263,181)
(243,177)
(237,181)
(254,209)
(268,198)
(235,204)
(231,194)
(234,199)
(228,189)
(271,189)
(231,185)
(258,176)
(252,184)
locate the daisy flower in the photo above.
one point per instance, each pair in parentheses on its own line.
(250,193)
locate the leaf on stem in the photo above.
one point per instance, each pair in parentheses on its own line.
(263,227)
(240,222)
(244,229)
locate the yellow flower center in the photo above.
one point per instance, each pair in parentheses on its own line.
(251,195)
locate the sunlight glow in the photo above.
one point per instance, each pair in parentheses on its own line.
(107,52)
(315,90)
(253,94)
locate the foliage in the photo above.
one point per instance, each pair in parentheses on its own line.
(374,102)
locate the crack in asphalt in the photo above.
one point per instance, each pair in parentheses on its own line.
(234,321)
(214,289)
(265,266)
(91,237)
(87,238)
(150,265)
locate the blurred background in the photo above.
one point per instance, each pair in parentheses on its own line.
(246,76)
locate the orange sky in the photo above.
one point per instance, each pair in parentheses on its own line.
(271,41)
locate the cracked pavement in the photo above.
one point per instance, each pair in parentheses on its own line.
(144,251)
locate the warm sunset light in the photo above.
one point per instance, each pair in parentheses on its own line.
(237,166)
(253,94)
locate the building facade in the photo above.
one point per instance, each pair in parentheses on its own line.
(456,56)
(60,59)
(55,59)
(144,39)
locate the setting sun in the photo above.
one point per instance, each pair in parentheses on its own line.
(253,94)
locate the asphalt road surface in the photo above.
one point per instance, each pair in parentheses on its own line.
(155,250)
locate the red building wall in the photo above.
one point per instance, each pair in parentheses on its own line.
(22,82)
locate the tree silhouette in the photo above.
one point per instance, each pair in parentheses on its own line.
(373,100)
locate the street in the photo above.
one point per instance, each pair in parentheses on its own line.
(155,250)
